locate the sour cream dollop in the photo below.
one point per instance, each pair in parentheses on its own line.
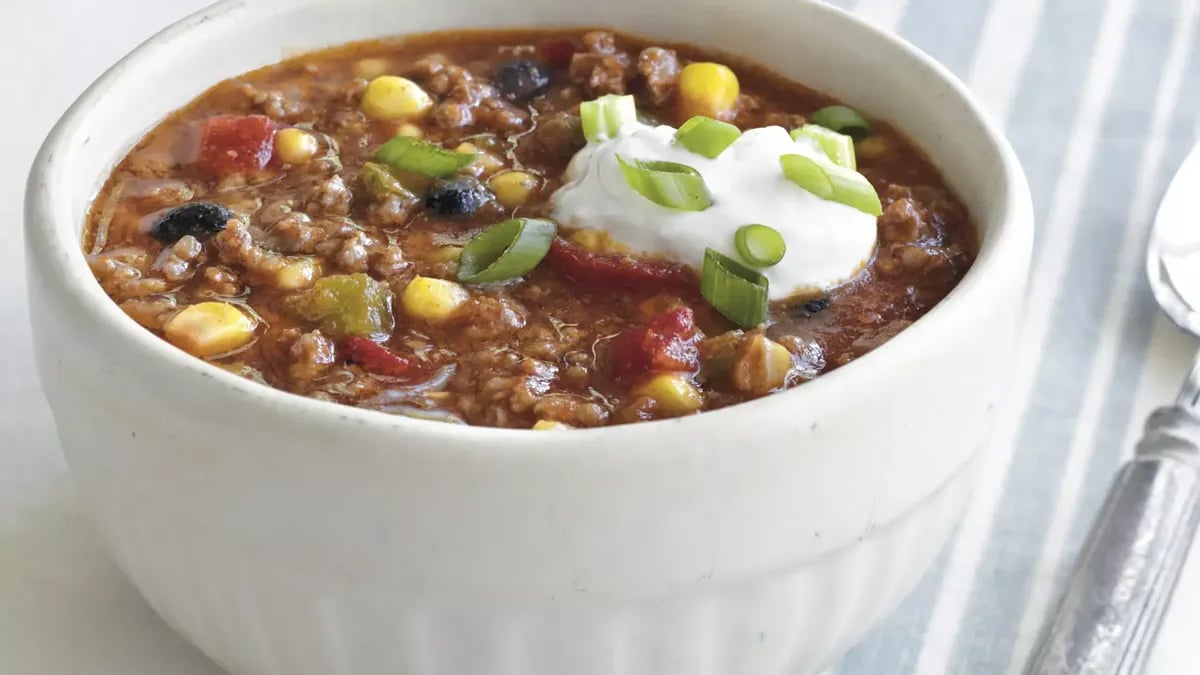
(827,242)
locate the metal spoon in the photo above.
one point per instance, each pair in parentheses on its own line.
(1122,583)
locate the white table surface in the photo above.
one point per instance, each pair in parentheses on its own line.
(64,608)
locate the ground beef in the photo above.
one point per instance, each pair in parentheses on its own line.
(345,123)
(152,312)
(330,197)
(788,121)
(237,248)
(424,68)
(453,115)
(219,282)
(659,69)
(391,211)
(520,392)
(295,233)
(600,42)
(496,114)
(600,74)
(571,409)
(494,316)
(150,165)
(388,261)
(601,69)
(122,274)
(901,222)
(276,104)
(550,341)
(311,355)
(810,357)
(352,256)
(554,141)
(467,100)
(159,194)
(178,262)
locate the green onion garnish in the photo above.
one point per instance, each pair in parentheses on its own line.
(808,174)
(505,251)
(843,120)
(832,182)
(404,153)
(760,245)
(736,291)
(853,189)
(669,184)
(706,136)
(838,147)
(604,117)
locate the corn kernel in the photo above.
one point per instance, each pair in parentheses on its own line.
(390,97)
(369,69)
(434,300)
(445,253)
(550,425)
(296,146)
(762,366)
(597,241)
(299,273)
(709,89)
(486,162)
(673,393)
(512,188)
(409,129)
(872,147)
(210,328)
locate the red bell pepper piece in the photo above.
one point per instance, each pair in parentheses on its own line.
(618,270)
(378,359)
(557,53)
(232,144)
(668,342)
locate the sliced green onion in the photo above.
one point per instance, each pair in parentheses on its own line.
(706,136)
(379,182)
(736,291)
(604,117)
(669,184)
(808,174)
(760,245)
(838,147)
(843,120)
(404,153)
(505,251)
(853,189)
(832,182)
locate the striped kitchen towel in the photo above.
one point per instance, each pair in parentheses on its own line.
(1100,99)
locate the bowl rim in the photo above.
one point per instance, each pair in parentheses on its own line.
(52,244)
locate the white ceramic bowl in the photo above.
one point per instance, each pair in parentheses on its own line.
(287,536)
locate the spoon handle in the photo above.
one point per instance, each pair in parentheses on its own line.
(1122,583)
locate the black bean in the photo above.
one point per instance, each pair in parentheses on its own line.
(522,79)
(461,196)
(199,219)
(808,309)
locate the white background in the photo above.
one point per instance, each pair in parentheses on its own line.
(64,608)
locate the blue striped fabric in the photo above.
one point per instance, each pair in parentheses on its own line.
(1100,98)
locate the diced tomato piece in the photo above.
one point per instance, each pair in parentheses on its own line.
(669,342)
(232,144)
(378,359)
(557,53)
(618,270)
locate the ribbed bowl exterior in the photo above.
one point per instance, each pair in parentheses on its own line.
(254,618)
